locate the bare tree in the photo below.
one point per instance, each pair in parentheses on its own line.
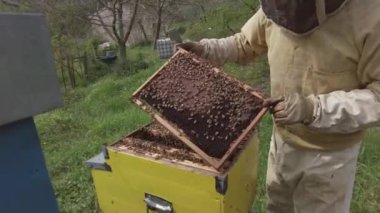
(112,16)
(157,7)
(160,4)
(143,31)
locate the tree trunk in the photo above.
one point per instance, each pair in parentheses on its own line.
(72,68)
(123,52)
(61,61)
(85,65)
(143,31)
(203,12)
(132,21)
(105,28)
(157,34)
(158,25)
(80,70)
(122,47)
(70,72)
(62,73)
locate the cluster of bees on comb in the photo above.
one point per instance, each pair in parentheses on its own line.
(210,108)
(157,140)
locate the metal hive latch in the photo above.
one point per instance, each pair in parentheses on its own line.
(221,184)
(157,204)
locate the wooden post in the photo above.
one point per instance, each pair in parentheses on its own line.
(61,67)
(85,65)
(70,72)
(72,68)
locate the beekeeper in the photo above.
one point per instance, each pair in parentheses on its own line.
(324,58)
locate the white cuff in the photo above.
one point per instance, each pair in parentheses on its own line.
(346,112)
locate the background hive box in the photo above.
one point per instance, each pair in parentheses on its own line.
(128,176)
(165,47)
(206,109)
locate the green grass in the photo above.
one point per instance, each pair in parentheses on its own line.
(367,187)
(74,134)
(101,113)
(98,114)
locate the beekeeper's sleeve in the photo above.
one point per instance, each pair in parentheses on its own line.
(241,48)
(346,112)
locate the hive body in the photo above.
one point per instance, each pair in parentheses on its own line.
(189,186)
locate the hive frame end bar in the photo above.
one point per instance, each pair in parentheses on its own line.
(239,140)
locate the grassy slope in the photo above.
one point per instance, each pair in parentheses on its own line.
(74,134)
(102,112)
(367,187)
(98,114)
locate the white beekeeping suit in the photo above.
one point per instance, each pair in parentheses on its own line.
(324,61)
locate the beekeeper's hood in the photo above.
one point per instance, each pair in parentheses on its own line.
(300,16)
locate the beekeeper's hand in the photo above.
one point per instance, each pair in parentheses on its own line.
(194,47)
(292,109)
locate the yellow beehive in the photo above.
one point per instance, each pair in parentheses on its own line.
(131,182)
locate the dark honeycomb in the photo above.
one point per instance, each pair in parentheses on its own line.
(156,140)
(209,107)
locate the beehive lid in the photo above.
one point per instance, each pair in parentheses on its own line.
(28,79)
(205,108)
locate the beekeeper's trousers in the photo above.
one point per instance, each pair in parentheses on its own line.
(302,181)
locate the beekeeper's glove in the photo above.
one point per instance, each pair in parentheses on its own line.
(292,109)
(194,47)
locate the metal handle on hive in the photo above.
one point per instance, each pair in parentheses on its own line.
(157,204)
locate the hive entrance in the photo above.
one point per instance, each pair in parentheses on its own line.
(201,105)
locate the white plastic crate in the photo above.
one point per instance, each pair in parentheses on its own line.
(165,47)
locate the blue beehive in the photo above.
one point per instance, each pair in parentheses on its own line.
(28,86)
